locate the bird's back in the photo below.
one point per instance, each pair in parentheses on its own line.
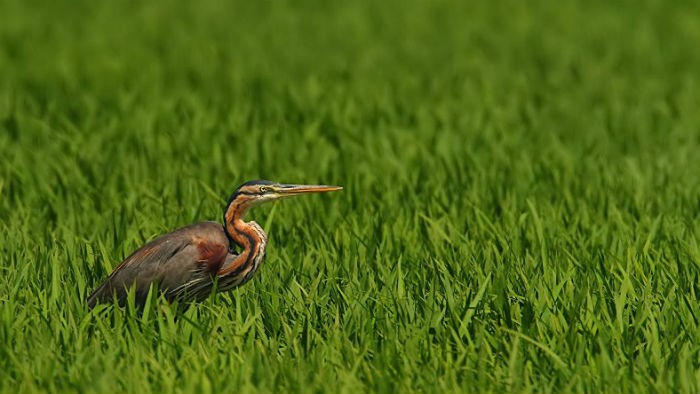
(169,261)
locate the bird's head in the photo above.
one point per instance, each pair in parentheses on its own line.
(256,192)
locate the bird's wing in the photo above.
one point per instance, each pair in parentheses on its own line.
(169,261)
(211,253)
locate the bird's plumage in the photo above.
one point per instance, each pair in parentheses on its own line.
(185,264)
(190,254)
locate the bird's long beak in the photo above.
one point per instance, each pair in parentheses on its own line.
(291,190)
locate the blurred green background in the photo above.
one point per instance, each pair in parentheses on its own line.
(520,214)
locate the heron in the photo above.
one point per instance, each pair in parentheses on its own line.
(186,264)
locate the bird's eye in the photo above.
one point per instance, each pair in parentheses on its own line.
(265,189)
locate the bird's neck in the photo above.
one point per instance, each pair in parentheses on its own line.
(251,238)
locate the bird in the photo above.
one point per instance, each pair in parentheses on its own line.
(186,264)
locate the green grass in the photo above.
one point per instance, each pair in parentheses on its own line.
(521,209)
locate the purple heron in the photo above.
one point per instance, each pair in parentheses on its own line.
(185,264)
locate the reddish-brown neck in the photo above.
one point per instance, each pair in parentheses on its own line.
(249,237)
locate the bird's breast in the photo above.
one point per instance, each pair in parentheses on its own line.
(261,244)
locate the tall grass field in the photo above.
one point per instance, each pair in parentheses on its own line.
(520,213)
